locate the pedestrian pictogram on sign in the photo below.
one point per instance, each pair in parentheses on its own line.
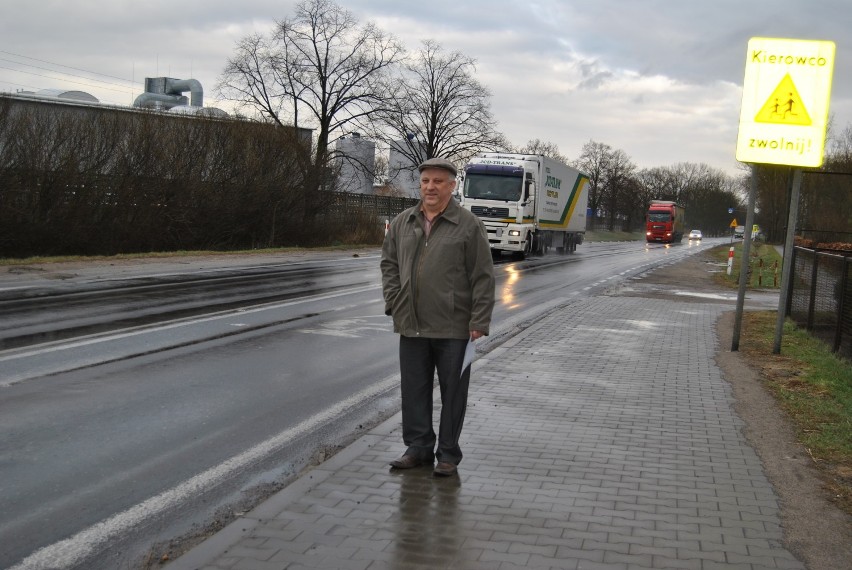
(784,106)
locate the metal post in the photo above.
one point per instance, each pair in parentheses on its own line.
(838,331)
(812,295)
(787,267)
(744,260)
(788,302)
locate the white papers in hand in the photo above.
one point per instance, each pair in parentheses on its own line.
(469,352)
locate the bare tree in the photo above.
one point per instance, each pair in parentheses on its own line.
(634,203)
(437,108)
(618,183)
(593,161)
(839,156)
(705,193)
(612,183)
(547,148)
(320,64)
(254,81)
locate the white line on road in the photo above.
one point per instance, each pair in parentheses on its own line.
(134,331)
(66,553)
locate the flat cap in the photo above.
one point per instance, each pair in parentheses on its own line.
(438,163)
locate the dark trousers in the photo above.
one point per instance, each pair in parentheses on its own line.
(419,358)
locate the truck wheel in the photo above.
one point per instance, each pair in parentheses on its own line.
(539,244)
(527,249)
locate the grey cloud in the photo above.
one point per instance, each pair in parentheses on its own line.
(560,43)
(595,80)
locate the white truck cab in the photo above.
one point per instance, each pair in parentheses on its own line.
(528,203)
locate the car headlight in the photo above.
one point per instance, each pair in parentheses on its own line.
(514,232)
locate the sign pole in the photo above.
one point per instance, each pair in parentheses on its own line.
(744,260)
(786,267)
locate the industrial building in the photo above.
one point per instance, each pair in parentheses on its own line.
(356,160)
(355,155)
(161,94)
(402,172)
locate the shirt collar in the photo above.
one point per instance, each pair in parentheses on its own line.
(450,213)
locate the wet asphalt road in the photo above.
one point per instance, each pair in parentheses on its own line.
(137,402)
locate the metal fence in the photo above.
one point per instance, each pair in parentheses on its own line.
(341,205)
(820,299)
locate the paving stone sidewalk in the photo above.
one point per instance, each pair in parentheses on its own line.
(601,437)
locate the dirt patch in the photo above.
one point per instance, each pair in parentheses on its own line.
(690,280)
(815,529)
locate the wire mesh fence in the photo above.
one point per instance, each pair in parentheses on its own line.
(820,299)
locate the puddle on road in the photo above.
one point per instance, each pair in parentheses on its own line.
(714,296)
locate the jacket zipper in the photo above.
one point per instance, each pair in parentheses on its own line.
(417,282)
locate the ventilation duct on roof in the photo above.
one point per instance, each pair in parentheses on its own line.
(165,93)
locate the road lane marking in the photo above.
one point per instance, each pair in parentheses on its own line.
(135,331)
(356,327)
(71,551)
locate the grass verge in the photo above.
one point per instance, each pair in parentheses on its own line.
(814,387)
(764,270)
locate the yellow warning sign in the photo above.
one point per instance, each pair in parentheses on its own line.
(734,223)
(786,92)
(784,106)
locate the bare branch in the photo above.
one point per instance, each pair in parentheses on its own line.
(319,66)
(435,107)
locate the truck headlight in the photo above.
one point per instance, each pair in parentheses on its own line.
(514,232)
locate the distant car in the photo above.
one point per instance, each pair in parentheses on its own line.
(739,232)
(695,234)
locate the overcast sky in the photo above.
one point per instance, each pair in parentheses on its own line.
(659,79)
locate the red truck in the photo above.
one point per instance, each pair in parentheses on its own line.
(664,222)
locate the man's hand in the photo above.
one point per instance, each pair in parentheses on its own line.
(476,334)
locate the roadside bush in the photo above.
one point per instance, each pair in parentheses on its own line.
(83,181)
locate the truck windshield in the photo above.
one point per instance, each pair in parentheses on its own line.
(659,217)
(491,187)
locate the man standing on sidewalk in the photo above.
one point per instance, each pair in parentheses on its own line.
(438,285)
